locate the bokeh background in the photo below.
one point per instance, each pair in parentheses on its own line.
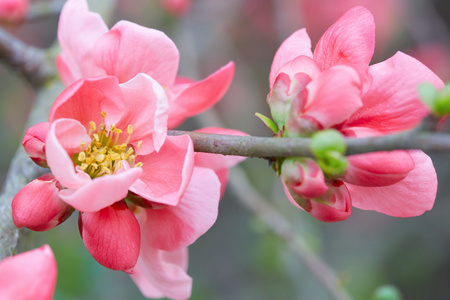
(239,258)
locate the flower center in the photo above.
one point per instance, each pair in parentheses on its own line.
(105,155)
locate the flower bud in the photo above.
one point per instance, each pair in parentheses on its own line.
(303,177)
(37,205)
(329,147)
(325,141)
(283,93)
(34,143)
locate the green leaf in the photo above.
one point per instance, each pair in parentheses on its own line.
(268,122)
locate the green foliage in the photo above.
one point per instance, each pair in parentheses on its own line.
(268,122)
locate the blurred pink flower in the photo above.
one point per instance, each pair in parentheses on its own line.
(90,50)
(13,10)
(317,16)
(334,87)
(28,275)
(104,141)
(435,56)
(176,7)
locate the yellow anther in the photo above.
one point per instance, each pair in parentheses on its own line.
(129,152)
(117,130)
(118,165)
(103,113)
(81,156)
(130,129)
(92,125)
(100,158)
(138,165)
(115,156)
(84,166)
(139,145)
(96,138)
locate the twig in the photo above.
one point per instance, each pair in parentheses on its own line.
(40,10)
(29,61)
(265,147)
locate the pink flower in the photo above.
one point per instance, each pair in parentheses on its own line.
(389,16)
(335,87)
(176,7)
(106,140)
(13,10)
(28,275)
(90,50)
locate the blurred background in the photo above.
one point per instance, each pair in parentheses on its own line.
(239,258)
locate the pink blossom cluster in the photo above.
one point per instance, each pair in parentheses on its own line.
(334,87)
(143,197)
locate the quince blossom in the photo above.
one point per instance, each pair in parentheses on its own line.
(90,50)
(29,275)
(334,87)
(110,159)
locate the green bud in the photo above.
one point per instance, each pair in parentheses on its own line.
(437,100)
(325,141)
(442,104)
(333,164)
(387,292)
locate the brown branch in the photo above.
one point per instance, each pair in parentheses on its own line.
(265,147)
(29,61)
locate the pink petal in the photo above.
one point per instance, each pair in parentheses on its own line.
(78,29)
(63,140)
(147,109)
(87,98)
(200,96)
(129,49)
(34,143)
(37,205)
(112,236)
(409,197)
(29,275)
(378,168)
(297,44)
(101,192)
(159,273)
(349,41)
(337,86)
(167,173)
(391,102)
(335,205)
(300,64)
(179,226)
